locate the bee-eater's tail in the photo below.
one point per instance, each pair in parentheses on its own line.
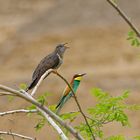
(60,104)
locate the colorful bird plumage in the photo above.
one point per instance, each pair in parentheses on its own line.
(67,94)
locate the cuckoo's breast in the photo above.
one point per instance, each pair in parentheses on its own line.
(60,61)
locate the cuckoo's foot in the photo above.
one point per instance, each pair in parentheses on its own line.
(54,71)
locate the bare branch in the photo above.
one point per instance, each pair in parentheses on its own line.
(6,93)
(34,111)
(30,99)
(49,119)
(40,81)
(17,135)
(17,111)
(77,102)
(58,129)
(125,17)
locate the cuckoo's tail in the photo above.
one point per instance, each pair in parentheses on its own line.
(33,84)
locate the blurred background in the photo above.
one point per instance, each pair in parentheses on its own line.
(96,35)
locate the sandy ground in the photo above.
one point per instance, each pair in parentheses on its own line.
(97,47)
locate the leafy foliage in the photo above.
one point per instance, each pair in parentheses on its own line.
(52,108)
(133,39)
(107,110)
(116,138)
(137,138)
(133,107)
(23,86)
(41,123)
(42,99)
(10,98)
(69,116)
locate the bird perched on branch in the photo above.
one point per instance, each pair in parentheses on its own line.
(51,61)
(67,93)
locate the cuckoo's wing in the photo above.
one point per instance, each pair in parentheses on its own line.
(49,62)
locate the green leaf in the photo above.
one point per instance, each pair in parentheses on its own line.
(99,93)
(133,107)
(40,124)
(42,99)
(125,94)
(23,86)
(31,107)
(129,38)
(131,34)
(137,137)
(108,109)
(69,116)
(84,130)
(52,107)
(116,138)
(11,98)
(135,41)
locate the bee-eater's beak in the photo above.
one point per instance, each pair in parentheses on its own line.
(82,74)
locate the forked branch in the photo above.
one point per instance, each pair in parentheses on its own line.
(29,98)
(124,16)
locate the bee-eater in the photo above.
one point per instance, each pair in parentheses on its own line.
(67,93)
(51,61)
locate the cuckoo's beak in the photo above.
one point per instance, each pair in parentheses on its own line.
(66,46)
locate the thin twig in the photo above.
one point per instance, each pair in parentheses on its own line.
(58,129)
(30,99)
(77,102)
(34,111)
(49,119)
(125,17)
(16,135)
(6,93)
(17,111)
(12,135)
(40,81)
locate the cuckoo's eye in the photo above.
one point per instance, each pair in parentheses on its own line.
(59,47)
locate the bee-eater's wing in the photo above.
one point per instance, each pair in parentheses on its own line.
(60,104)
(67,94)
(62,100)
